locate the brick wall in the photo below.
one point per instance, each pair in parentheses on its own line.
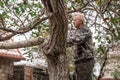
(6,69)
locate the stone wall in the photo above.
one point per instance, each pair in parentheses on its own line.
(6,69)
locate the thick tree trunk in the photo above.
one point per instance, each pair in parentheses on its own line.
(55,50)
(58,69)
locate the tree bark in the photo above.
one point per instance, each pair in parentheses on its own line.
(55,50)
(21,44)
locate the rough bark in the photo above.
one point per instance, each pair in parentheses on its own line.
(55,50)
(21,44)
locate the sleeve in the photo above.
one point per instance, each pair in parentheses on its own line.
(77,37)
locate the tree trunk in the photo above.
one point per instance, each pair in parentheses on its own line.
(55,50)
(58,69)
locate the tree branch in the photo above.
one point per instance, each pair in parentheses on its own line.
(78,9)
(106,4)
(23,30)
(26,29)
(22,44)
(102,67)
(7,37)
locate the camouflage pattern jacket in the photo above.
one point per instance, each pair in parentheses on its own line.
(81,42)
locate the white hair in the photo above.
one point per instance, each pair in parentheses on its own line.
(81,16)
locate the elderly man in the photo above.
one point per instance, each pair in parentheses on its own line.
(81,40)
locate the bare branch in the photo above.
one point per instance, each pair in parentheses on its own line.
(6,37)
(78,9)
(22,44)
(102,16)
(26,29)
(23,30)
(102,67)
(106,4)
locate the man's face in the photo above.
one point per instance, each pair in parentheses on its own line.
(77,21)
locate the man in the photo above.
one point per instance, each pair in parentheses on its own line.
(81,40)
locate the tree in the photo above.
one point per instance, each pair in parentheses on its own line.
(29,16)
(55,50)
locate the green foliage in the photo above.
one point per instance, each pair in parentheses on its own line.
(100,2)
(116,74)
(102,49)
(17,12)
(1,4)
